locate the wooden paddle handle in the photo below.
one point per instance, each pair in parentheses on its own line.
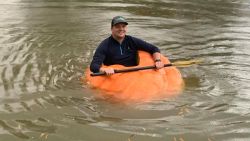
(130,70)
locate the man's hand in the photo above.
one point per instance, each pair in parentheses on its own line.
(157,58)
(159,64)
(108,71)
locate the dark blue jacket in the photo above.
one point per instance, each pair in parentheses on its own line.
(111,52)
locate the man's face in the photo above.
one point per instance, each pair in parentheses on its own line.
(119,30)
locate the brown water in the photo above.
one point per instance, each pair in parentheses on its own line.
(45,46)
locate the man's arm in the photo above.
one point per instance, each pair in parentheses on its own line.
(155,51)
(98,59)
(145,46)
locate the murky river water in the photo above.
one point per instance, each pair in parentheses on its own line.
(45,46)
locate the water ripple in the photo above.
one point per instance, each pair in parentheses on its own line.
(46,46)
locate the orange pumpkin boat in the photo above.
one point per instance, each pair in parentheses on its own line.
(141,85)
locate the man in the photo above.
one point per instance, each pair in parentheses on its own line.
(121,49)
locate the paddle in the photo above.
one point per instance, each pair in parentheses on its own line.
(177,64)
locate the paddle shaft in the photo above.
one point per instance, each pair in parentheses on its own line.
(130,70)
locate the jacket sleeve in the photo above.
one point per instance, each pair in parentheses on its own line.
(98,59)
(143,45)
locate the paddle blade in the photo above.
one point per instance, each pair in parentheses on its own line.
(187,63)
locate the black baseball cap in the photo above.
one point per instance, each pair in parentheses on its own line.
(118,19)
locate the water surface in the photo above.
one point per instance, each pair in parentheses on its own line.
(45,46)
